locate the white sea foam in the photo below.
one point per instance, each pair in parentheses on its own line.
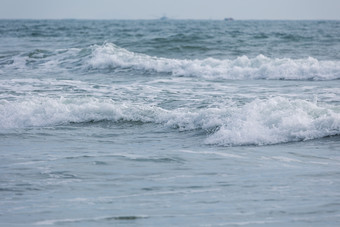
(277,120)
(260,67)
(259,122)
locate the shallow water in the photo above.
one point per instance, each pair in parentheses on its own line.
(176,123)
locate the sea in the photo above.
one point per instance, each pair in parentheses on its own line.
(169,123)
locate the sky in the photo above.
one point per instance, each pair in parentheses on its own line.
(176,9)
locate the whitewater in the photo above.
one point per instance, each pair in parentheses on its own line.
(188,123)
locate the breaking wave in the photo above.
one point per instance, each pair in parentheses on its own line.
(260,122)
(260,67)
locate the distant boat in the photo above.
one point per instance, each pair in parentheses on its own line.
(228,19)
(164,18)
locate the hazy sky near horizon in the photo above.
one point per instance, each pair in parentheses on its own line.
(177,9)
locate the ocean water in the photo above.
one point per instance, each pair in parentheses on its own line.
(172,123)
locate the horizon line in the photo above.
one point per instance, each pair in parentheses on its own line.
(170,19)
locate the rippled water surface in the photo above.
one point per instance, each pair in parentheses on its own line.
(175,123)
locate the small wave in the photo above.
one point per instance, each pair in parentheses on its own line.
(260,122)
(41,61)
(77,220)
(260,67)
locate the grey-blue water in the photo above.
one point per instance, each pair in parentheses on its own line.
(172,123)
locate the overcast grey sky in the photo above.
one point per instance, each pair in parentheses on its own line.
(178,9)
